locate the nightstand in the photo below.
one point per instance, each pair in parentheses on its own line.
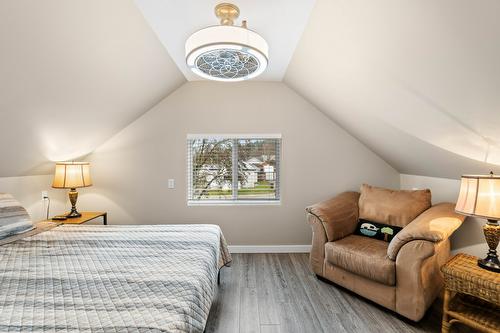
(86,216)
(471,296)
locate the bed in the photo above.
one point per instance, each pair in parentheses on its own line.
(142,278)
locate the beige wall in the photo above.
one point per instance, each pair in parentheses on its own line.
(469,237)
(320,159)
(28,191)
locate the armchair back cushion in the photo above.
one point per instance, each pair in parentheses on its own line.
(396,208)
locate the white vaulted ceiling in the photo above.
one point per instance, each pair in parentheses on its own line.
(416,81)
(72,74)
(280,22)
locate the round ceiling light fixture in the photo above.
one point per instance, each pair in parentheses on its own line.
(227,52)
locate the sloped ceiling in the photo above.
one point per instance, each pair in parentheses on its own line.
(280,22)
(73,73)
(416,81)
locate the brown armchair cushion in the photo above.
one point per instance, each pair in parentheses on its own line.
(435,224)
(362,256)
(396,208)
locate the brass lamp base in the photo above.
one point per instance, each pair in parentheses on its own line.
(73,196)
(492,234)
(73,214)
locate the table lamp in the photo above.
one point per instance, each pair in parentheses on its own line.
(72,175)
(480,196)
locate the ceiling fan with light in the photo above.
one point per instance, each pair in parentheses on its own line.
(227,52)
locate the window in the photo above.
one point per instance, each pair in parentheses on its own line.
(225,169)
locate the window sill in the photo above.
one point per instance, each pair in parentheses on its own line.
(234,203)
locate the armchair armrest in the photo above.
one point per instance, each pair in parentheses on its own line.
(330,220)
(317,254)
(435,224)
(338,215)
(418,277)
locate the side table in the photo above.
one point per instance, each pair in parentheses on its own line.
(86,216)
(471,296)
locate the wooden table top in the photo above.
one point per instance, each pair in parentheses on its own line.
(86,216)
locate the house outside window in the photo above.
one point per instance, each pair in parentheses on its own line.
(233,169)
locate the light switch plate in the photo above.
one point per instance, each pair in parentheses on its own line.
(171,183)
(45,195)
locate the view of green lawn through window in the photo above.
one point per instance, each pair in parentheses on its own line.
(234,169)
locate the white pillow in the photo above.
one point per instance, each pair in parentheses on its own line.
(14,219)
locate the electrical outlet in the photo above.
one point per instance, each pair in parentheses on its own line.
(45,195)
(171,183)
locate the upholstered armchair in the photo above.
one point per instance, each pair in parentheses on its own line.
(402,275)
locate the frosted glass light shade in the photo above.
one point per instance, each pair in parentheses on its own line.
(227,53)
(479,196)
(72,175)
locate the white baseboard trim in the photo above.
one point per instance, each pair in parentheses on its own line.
(269,248)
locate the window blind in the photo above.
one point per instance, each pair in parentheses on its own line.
(233,168)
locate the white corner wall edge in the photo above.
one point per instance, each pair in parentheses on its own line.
(269,248)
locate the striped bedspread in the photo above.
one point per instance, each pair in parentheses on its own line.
(155,278)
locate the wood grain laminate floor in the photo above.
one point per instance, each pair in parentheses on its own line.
(270,293)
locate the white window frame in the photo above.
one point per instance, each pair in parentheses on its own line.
(189,169)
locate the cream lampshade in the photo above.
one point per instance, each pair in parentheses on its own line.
(72,175)
(480,196)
